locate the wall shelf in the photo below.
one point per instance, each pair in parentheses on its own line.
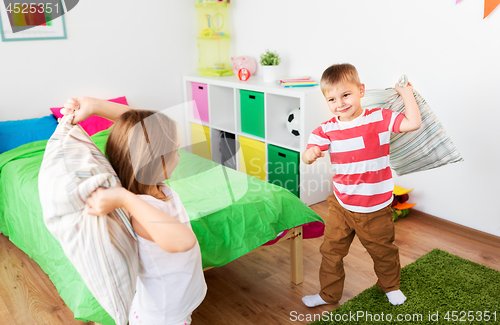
(225,112)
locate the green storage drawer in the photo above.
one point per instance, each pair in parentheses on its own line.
(283,168)
(252,112)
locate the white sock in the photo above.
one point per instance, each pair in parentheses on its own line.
(396,297)
(314,300)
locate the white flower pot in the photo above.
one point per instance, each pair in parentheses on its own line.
(270,73)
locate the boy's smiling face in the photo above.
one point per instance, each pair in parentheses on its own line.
(344,100)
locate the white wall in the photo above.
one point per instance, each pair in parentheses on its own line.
(450,54)
(113,48)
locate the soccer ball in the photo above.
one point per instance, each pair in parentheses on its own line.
(293,122)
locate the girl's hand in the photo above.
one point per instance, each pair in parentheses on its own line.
(311,154)
(103,201)
(83,106)
(408,90)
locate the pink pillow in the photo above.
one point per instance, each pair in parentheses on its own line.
(94,123)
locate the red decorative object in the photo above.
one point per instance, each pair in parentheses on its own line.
(243,74)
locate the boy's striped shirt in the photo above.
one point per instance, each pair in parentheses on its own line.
(359,153)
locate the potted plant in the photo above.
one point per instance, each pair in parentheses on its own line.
(270,65)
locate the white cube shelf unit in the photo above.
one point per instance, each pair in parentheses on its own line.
(224,114)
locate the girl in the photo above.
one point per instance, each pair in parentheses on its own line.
(142,149)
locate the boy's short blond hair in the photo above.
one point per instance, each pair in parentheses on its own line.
(337,73)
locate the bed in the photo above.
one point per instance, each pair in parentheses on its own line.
(231,214)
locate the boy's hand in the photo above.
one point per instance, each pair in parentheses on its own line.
(408,90)
(83,106)
(412,120)
(311,154)
(103,201)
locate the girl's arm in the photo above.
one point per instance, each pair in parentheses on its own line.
(167,232)
(412,120)
(87,106)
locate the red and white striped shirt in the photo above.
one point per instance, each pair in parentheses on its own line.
(359,152)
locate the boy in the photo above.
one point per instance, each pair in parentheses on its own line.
(358,143)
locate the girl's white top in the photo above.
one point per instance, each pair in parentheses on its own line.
(170,285)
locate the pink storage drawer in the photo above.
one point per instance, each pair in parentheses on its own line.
(200,96)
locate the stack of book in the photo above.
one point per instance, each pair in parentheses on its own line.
(298,82)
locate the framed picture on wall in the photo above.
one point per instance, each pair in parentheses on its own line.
(24,21)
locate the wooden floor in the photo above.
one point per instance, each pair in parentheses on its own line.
(254,289)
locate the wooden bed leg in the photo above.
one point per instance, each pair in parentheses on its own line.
(296,259)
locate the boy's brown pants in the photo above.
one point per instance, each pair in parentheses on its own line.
(375,230)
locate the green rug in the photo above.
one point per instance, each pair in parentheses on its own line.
(441,288)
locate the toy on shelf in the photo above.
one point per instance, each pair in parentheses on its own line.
(400,206)
(213,38)
(244,67)
(293,122)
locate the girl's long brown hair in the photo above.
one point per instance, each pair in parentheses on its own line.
(136,146)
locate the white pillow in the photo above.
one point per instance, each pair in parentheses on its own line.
(102,249)
(426,148)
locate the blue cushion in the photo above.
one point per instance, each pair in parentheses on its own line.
(16,133)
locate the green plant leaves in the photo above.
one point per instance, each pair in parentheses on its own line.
(270,58)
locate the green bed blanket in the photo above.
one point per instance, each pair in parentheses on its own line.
(231,214)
